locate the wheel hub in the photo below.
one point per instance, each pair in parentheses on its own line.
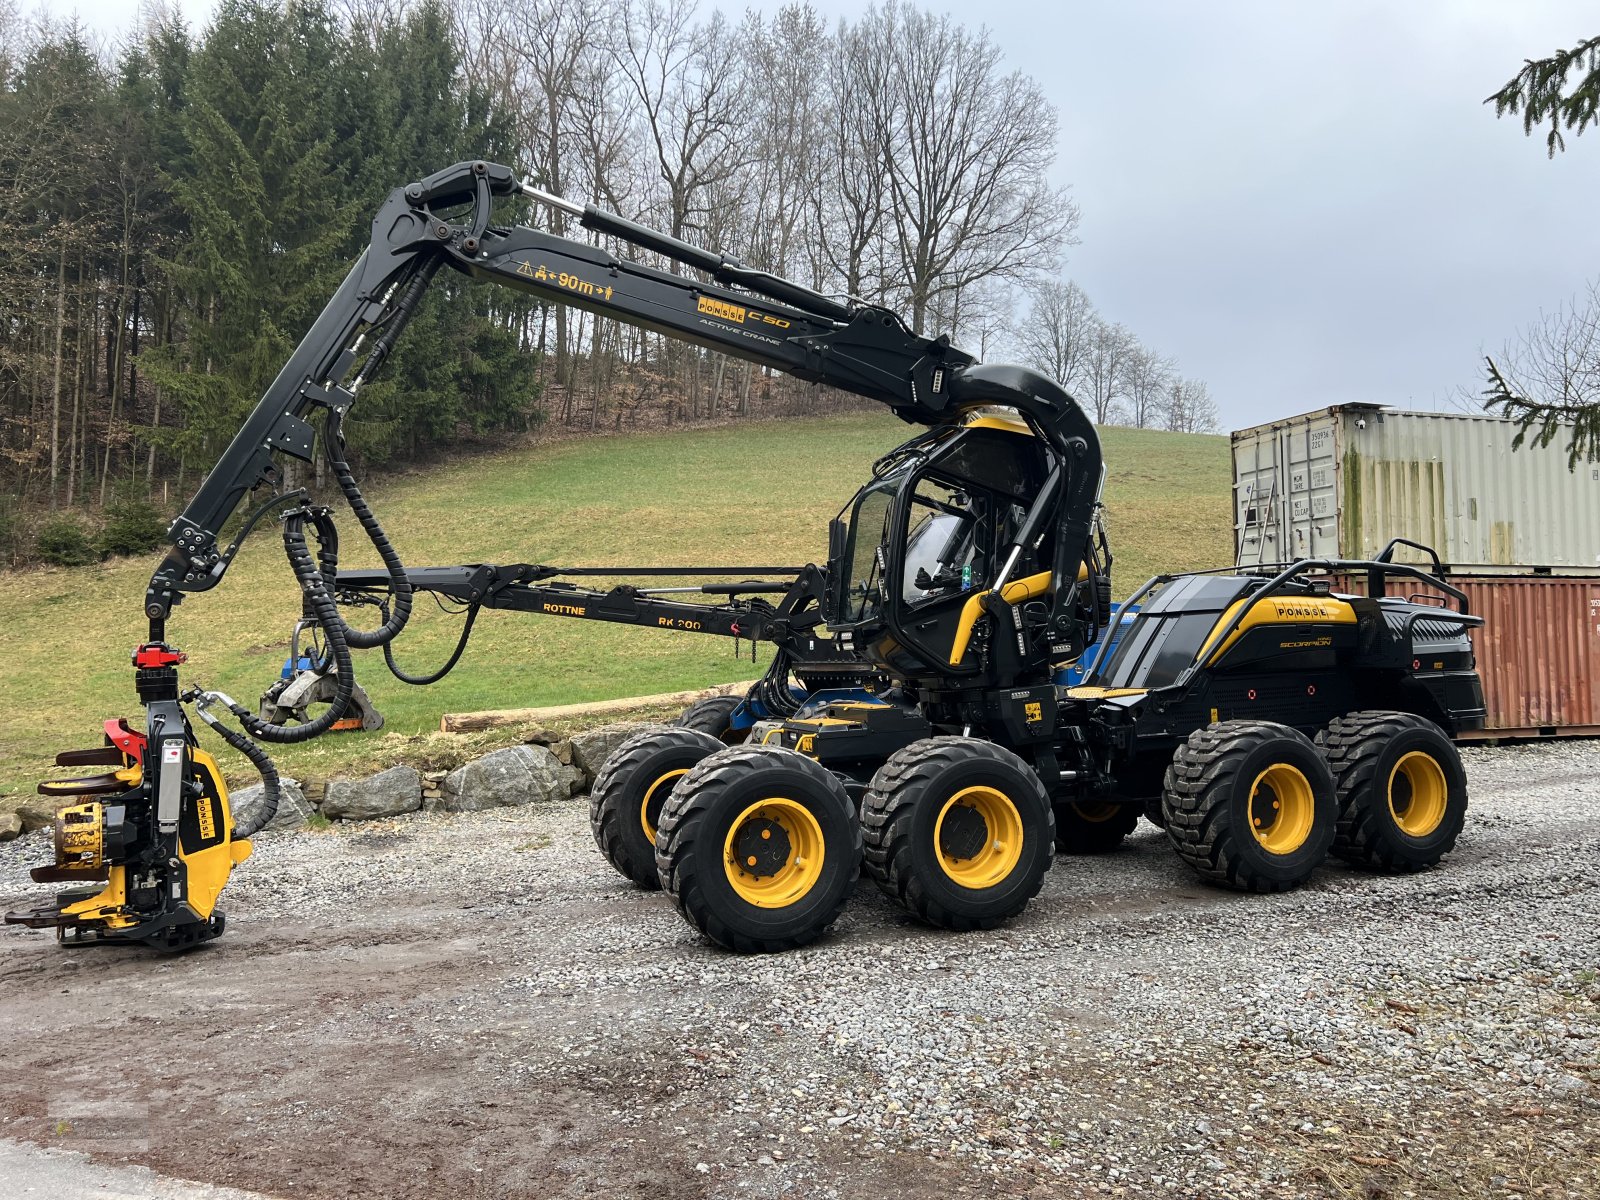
(978,837)
(761,847)
(964,832)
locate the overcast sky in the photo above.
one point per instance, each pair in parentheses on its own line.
(1304,204)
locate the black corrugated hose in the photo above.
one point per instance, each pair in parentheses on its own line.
(399,584)
(271,790)
(321,605)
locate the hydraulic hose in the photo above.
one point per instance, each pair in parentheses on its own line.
(271,788)
(449,663)
(320,603)
(334,448)
(772,692)
(399,584)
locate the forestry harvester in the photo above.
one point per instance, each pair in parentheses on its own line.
(916,721)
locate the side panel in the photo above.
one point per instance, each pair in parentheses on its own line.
(1286,489)
(1538,653)
(1344,481)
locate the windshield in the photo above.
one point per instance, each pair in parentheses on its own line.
(863,550)
(940,543)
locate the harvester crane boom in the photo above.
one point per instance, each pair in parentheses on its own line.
(748,313)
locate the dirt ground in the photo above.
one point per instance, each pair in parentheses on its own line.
(475,1006)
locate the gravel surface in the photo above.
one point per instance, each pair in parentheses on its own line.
(478,1005)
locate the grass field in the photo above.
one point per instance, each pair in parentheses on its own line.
(752,493)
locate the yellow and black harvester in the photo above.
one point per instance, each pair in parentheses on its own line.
(917,721)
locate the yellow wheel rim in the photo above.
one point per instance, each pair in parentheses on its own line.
(978,837)
(1418,794)
(1095,813)
(773,853)
(654,797)
(1282,808)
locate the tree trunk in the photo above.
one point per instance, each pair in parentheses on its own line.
(55,396)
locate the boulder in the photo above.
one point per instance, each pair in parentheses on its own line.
(515,775)
(386,794)
(39,812)
(293,807)
(592,747)
(10,826)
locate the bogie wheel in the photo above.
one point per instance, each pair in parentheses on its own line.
(1094,826)
(1250,805)
(631,789)
(759,848)
(714,715)
(958,831)
(1401,787)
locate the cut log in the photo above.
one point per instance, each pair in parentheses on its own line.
(497,718)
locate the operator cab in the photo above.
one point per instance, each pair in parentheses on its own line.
(930,533)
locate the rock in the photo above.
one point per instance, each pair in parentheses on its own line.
(562,750)
(293,807)
(577,781)
(592,747)
(39,812)
(515,775)
(538,735)
(10,826)
(386,794)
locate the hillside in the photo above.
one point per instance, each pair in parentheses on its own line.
(755,493)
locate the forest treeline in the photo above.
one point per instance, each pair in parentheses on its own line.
(179,207)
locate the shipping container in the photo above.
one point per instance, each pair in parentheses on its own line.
(1538,650)
(1341,482)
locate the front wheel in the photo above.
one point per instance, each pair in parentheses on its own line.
(958,831)
(759,848)
(1250,805)
(1402,790)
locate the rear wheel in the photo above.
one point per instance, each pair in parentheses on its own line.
(1401,786)
(958,831)
(629,792)
(759,848)
(1250,805)
(714,715)
(1093,826)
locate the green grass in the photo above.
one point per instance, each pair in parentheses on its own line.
(758,493)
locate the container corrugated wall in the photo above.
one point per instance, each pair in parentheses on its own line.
(1538,653)
(1538,650)
(1343,481)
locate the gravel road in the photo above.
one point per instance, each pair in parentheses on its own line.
(476,1006)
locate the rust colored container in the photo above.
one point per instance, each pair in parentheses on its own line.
(1538,653)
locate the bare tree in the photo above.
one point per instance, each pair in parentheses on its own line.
(848,204)
(1190,408)
(1149,381)
(686,80)
(1548,378)
(966,152)
(1105,371)
(1059,331)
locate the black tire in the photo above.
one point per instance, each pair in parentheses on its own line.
(714,715)
(790,804)
(1223,811)
(631,789)
(1402,790)
(910,854)
(1094,826)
